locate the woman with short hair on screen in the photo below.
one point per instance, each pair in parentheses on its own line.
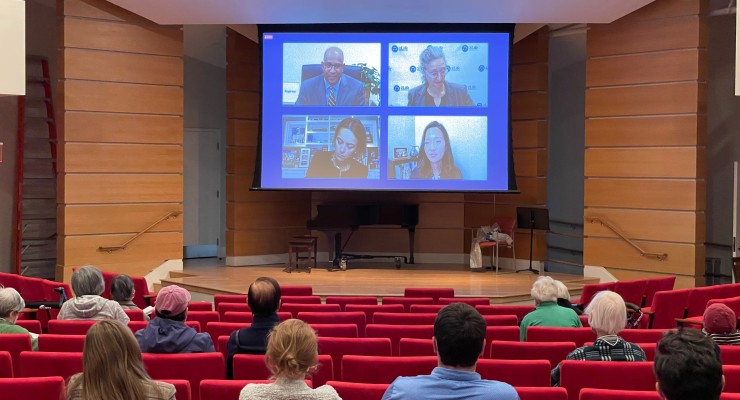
(435,91)
(435,155)
(349,143)
(292,352)
(113,368)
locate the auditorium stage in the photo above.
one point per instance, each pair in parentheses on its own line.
(371,279)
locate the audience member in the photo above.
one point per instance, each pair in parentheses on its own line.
(564,297)
(720,323)
(263,297)
(292,352)
(122,291)
(688,366)
(167,333)
(113,369)
(547,312)
(11,305)
(88,285)
(607,316)
(459,339)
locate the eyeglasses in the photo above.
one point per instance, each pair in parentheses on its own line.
(334,66)
(437,73)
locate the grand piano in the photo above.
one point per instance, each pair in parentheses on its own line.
(337,217)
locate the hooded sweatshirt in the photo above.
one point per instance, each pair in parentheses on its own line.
(163,335)
(92,307)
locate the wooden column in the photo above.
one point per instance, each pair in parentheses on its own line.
(120,154)
(646,141)
(258,224)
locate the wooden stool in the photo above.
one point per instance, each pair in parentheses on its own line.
(296,247)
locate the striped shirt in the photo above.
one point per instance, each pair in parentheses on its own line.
(605,348)
(729,339)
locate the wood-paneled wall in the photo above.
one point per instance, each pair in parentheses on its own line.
(645,140)
(120,154)
(258,223)
(529,112)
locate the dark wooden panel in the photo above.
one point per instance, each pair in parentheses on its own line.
(685,195)
(98,9)
(119,218)
(530,162)
(260,241)
(122,98)
(668,66)
(528,105)
(645,36)
(121,128)
(243,77)
(533,191)
(243,105)
(122,67)
(671,130)
(666,9)
(532,49)
(237,190)
(242,132)
(528,77)
(240,49)
(102,35)
(678,98)
(246,216)
(241,160)
(529,134)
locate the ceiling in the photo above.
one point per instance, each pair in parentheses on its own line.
(228,12)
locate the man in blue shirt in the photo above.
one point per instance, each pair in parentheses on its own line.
(459,339)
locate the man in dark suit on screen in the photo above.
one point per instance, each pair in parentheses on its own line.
(333,87)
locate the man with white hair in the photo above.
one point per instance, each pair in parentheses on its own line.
(607,316)
(547,311)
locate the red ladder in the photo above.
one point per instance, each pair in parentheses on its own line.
(35,195)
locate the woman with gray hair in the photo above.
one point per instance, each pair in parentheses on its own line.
(607,316)
(88,284)
(547,311)
(11,305)
(435,91)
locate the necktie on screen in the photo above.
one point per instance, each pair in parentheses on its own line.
(332,98)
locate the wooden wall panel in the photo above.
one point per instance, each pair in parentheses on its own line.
(264,215)
(128,38)
(529,134)
(122,67)
(645,193)
(122,158)
(259,241)
(243,104)
(122,128)
(242,132)
(118,218)
(653,131)
(240,160)
(529,162)
(658,225)
(673,162)
(528,77)
(122,97)
(528,106)
(119,188)
(80,250)
(646,128)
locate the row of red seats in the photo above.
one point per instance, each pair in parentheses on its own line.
(639,292)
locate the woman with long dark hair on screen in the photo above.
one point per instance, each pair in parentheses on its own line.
(349,143)
(435,155)
(435,91)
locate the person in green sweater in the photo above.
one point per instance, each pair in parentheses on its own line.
(11,304)
(547,311)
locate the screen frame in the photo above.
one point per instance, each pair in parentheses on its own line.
(389,28)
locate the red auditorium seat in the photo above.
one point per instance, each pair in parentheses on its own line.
(396,332)
(6,365)
(369,309)
(70,327)
(610,394)
(623,375)
(221,345)
(217,329)
(359,391)
(590,290)
(300,300)
(407,302)
(39,363)
(193,367)
(347,317)
(61,343)
(554,352)
(505,333)
(473,301)
(579,336)
(655,285)
(182,388)
(666,307)
(238,307)
(584,320)
(375,369)
(252,366)
(501,320)
(135,315)
(46,388)
(219,389)
(698,299)
(14,344)
(425,308)
(295,308)
(541,393)
(434,293)
(335,330)
(344,300)
(404,318)
(409,347)
(516,372)
(642,335)
(730,355)
(31,325)
(247,317)
(631,291)
(229,298)
(339,347)
(200,306)
(732,378)
(295,290)
(203,317)
(519,311)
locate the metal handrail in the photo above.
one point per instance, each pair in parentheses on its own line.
(603,222)
(110,249)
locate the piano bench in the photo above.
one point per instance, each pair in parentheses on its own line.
(299,245)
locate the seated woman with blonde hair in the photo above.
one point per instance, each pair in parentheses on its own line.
(292,352)
(113,369)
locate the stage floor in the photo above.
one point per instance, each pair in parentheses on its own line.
(209,277)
